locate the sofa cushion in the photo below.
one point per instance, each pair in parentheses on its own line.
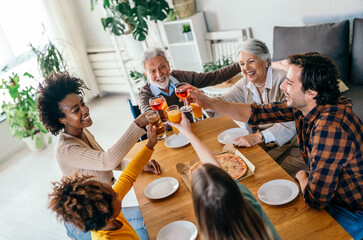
(357,52)
(355,93)
(331,39)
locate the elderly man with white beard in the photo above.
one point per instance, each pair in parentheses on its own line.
(162,81)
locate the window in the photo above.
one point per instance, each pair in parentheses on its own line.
(21,23)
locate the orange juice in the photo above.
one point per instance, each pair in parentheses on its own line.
(175,117)
(197,111)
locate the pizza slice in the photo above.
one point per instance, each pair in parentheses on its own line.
(233,165)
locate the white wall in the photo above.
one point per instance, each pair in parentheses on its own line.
(91,25)
(262,16)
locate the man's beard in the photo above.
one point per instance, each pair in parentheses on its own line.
(163,85)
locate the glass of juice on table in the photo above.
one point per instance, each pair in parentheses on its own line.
(182,92)
(154,119)
(197,112)
(174,116)
(159,103)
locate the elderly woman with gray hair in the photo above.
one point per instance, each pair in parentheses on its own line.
(261,84)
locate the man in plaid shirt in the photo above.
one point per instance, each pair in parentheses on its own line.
(329,135)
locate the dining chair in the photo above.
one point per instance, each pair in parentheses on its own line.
(135,110)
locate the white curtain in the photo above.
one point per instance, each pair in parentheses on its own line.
(67,30)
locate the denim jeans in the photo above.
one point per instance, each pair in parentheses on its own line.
(133,216)
(352,222)
(74,233)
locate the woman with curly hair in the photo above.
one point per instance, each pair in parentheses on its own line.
(95,206)
(62,110)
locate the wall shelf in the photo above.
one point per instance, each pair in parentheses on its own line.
(186,55)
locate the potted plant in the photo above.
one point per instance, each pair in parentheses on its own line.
(213,66)
(21,112)
(187,32)
(125,17)
(49,59)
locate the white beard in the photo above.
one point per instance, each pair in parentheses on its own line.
(163,85)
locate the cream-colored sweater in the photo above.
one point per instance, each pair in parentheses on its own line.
(74,154)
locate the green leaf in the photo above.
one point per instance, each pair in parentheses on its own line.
(124,8)
(158,10)
(5,68)
(141,30)
(114,25)
(28,75)
(106,3)
(122,15)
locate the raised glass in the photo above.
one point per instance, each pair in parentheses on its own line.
(182,92)
(174,116)
(154,119)
(159,103)
(197,112)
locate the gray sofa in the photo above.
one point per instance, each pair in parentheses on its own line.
(330,39)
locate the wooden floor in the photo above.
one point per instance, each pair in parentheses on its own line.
(25,179)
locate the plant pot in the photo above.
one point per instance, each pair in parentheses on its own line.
(185,8)
(134,47)
(188,36)
(36,144)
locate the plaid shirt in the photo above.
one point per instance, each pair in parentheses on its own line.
(330,140)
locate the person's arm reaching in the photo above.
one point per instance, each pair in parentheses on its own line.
(129,175)
(204,154)
(236,111)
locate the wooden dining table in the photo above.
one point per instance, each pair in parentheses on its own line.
(293,220)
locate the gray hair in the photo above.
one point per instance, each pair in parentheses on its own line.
(152,53)
(256,47)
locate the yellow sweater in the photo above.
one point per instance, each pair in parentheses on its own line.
(122,186)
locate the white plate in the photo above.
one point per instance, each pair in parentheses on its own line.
(230,134)
(161,188)
(179,230)
(176,141)
(278,192)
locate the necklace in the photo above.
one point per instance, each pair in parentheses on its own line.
(258,86)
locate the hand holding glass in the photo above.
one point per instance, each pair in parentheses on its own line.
(154,119)
(174,116)
(182,92)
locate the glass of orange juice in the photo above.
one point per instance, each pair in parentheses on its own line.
(197,112)
(174,116)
